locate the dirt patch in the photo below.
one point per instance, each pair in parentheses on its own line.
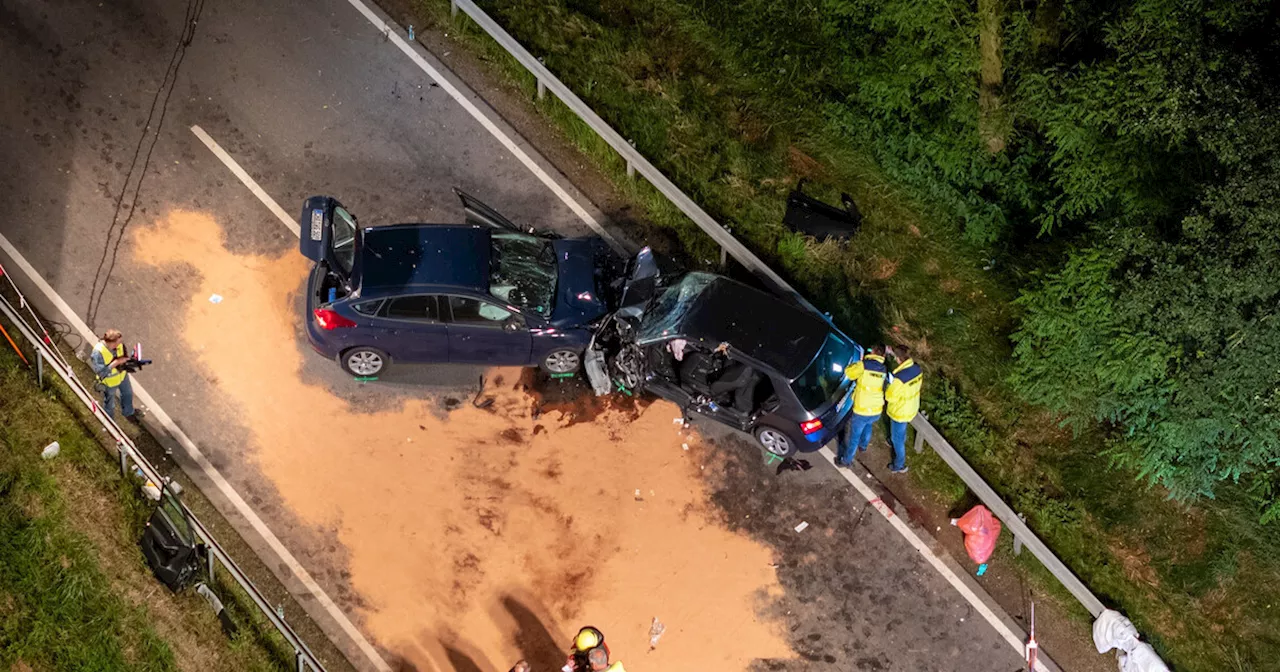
(883,269)
(446,518)
(950,285)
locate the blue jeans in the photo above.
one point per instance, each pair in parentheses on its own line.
(124,391)
(898,437)
(856,437)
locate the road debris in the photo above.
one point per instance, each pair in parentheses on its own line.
(215,298)
(655,633)
(801,527)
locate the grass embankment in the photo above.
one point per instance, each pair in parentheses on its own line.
(1200,581)
(75,592)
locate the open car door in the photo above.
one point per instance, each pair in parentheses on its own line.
(479,214)
(170,546)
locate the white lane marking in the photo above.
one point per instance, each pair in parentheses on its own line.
(249,182)
(905,530)
(209,470)
(542,175)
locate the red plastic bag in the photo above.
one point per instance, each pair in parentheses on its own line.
(980,529)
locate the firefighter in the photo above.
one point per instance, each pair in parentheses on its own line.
(902,403)
(590,653)
(869,376)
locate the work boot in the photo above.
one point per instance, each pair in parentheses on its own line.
(136,419)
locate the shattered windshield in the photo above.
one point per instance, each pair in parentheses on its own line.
(664,317)
(522,271)
(825,374)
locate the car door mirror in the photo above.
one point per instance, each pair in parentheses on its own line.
(513,324)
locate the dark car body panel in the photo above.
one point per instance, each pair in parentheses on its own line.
(415,262)
(404,255)
(775,338)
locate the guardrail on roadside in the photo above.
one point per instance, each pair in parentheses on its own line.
(48,356)
(638,164)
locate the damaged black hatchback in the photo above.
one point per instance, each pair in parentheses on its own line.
(730,352)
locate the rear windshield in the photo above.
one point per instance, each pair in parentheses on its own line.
(522,271)
(344,239)
(820,381)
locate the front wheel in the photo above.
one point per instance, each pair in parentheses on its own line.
(363,362)
(775,441)
(563,360)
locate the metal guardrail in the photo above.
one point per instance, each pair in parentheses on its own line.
(48,356)
(638,164)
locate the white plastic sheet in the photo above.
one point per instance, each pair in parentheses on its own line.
(1113,631)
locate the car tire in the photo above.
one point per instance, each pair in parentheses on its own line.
(775,441)
(561,360)
(364,362)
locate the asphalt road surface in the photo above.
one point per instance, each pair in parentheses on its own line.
(135,223)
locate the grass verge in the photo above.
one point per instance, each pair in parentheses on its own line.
(75,592)
(1200,581)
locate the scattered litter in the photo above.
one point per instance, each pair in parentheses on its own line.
(411,32)
(655,632)
(685,446)
(215,298)
(50,451)
(638,497)
(982,569)
(801,527)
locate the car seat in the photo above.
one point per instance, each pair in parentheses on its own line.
(738,380)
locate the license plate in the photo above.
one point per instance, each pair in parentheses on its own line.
(317,224)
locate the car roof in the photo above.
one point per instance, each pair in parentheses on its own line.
(403,256)
(759,325)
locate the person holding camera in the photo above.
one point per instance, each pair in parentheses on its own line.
(108,361)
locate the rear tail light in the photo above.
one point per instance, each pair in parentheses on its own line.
(329,320)
(811,426)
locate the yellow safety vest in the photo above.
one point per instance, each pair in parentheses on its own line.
(903,394)
(869,374)
(116,378)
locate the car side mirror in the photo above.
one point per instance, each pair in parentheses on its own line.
(513,324)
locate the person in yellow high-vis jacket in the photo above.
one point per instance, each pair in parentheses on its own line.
(107,361)
(870,377)
(903,403)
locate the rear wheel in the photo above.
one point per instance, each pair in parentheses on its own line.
(563,360)
(775,441)
(363,362)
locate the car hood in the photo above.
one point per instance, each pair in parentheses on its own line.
(578,296)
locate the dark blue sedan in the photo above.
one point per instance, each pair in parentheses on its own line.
(483,292)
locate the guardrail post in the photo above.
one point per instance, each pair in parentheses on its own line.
(453,9)
(919,442)
(40,367)
(724,257)
(213,562)
(124,459)
(542,89)
(302,661)
(631,170)
(1017,541)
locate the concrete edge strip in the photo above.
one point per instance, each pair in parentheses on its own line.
(210,472)
(874,500)
(393,34)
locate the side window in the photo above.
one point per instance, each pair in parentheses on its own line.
(418,307)
(367,307)
(472,311)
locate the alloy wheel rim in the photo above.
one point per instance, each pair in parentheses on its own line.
(562,362)
(365,363)
(774,442)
